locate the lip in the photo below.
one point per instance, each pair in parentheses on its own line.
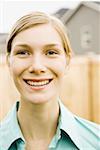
(38,80)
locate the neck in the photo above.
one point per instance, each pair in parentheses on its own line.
(38,121)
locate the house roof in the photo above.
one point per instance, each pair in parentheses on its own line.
(59,13)
(97,2)
(93,5)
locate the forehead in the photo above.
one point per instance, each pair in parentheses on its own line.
(38,35)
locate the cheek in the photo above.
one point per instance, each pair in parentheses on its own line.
(17,67)
(59,68)
(61,65)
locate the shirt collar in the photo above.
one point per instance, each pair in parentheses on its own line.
(69,125)
(10,128)
(57,136)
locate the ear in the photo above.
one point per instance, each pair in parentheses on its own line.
(7,60)
(67,70)
(67,67)
(8,63)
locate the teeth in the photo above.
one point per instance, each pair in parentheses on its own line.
(39,83)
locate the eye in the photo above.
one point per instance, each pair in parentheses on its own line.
(22,53)
(51,52)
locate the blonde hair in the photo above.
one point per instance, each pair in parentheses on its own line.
(36,18)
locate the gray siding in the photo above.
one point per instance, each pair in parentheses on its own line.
(84,16)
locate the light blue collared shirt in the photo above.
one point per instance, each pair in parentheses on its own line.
(73,133)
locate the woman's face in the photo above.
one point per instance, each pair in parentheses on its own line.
(37,63)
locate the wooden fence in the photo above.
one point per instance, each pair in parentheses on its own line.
(80,90)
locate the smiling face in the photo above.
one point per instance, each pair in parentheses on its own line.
(37,63)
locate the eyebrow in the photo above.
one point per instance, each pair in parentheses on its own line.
(21,45)
(52,45)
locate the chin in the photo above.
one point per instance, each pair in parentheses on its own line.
(36,99)
(39,98)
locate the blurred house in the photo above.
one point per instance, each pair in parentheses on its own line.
(83,27)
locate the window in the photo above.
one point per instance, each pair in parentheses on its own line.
(86,37)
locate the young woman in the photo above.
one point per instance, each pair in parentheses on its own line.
(38,52)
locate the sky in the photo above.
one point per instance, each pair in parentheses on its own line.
(11,10)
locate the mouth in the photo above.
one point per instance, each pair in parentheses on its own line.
(37,82)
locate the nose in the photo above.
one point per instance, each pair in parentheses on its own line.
(37,65)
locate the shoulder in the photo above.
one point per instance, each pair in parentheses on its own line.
(88,131)
(87,125)
(9,129)
(81,123)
